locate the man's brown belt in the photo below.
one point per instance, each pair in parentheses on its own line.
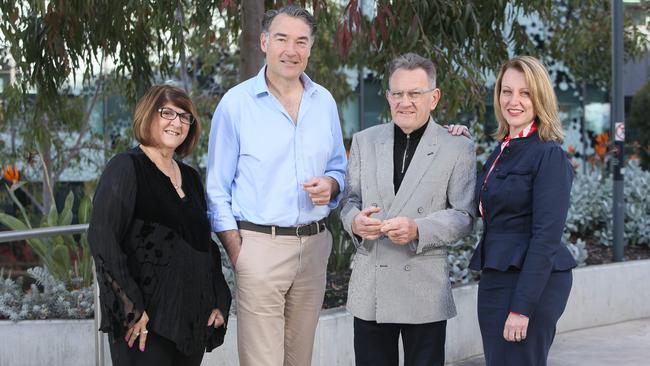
(300,230)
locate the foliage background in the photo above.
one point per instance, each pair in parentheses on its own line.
(82,65)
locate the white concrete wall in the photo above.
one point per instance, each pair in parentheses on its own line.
(607,294)
(601,295)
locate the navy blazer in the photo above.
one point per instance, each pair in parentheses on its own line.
(525,203)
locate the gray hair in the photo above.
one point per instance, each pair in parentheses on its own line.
(292,11)
(413,61)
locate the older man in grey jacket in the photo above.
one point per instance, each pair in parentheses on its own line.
(409,193)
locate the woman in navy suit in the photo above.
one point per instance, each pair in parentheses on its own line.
(523,195)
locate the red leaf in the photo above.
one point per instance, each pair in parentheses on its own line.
(387,10)
(340,39)
(373,35)
(381,21)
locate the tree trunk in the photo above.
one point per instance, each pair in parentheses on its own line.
(45,153)
(180,18)
(249,41)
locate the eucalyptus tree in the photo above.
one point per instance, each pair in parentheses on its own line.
(64,50)
(468,40)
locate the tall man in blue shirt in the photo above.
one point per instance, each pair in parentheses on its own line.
(276,166)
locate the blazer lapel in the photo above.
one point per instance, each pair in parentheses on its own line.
(422,159)
(384,163)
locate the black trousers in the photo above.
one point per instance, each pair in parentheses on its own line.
(376,344)
(158,351)
(495,292)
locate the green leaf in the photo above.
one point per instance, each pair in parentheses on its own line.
(58,240)
(65,218)
(12,222)
(60,261)
(53,216)
(84,210)
(41,250)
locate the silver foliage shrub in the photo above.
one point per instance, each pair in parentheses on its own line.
(459,255)
(637,205)
(48,298)
(590,214)
(589,218)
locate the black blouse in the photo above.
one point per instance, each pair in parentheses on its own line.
(153,252)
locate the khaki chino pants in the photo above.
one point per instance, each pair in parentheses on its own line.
(280,289)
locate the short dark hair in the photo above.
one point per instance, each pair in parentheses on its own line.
(412,61)
(292,11)
(147,109)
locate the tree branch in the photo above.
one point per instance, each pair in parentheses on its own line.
(76,148)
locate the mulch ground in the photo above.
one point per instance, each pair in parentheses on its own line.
(336,291)
(600,254)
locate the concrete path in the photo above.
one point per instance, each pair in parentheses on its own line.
(622,344)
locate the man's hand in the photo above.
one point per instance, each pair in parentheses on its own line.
(216,318)
(457,130)
(515,328)
(231,240)
(400,230)
(139,329)
(365,226)
(321,189)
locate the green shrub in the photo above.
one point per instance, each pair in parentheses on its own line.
(66,258)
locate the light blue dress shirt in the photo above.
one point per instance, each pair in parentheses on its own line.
(258,158)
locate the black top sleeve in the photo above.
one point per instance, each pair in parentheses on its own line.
(223,296)
(114,203)
(222,292)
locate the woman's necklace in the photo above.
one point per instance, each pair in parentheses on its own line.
(176,184)
(176,180)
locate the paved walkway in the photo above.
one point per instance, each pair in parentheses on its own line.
(622,344)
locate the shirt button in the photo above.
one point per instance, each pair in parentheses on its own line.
(497,169)
(420,209)
(374,205)
(407,267)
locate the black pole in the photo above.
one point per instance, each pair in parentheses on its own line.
(618,128)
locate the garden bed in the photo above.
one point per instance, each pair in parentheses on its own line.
(600,254)
(336,291)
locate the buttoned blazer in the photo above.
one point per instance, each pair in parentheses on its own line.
(526,199)
(408,283)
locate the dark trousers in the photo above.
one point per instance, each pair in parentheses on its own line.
(495,292)
(158,351)
(376,344)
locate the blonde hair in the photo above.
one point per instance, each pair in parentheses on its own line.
(542,95)
(147,109)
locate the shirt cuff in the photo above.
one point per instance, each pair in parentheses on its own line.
(334,202)
(222,223)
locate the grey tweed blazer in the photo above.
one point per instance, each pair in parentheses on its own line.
(408,284)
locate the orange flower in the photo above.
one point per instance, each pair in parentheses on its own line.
(601,145)
(11,174)
(571,149)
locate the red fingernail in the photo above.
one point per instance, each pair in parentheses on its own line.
(142,349)
(130,345)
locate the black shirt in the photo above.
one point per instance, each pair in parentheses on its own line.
(403,149)
(153,252)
